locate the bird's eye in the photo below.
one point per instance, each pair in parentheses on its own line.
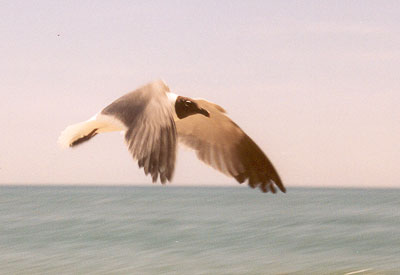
(187,103)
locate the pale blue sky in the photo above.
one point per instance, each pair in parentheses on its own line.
(315,83)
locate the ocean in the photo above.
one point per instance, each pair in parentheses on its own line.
(198,230)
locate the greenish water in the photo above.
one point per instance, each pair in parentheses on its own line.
(195,230)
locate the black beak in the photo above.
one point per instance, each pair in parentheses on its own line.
(204,112)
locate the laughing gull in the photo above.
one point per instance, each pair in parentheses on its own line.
(152,119)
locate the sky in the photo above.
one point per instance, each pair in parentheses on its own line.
(315,84)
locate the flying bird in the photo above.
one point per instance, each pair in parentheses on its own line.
(154,119)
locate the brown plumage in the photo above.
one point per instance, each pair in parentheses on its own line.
(222,144)
(154,119)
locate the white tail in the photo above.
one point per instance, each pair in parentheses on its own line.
(77,131)
(80,132)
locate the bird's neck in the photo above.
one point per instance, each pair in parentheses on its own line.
(172,98)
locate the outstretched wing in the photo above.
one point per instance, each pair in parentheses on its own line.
(151,131)
(220,143)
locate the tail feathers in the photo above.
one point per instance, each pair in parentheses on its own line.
(78,133)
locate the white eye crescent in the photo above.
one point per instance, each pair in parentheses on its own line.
(187,103)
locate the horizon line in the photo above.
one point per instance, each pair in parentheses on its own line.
(146,185)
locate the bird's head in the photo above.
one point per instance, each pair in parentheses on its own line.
(185,106)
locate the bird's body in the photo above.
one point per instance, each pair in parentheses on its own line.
(154,119)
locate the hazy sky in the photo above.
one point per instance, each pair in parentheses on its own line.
(315,83)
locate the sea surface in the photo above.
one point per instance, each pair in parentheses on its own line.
(198,230)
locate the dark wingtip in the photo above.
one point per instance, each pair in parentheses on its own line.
(280,186)
(272,188)
(240,178)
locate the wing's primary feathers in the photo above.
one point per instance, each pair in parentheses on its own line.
(220,143)
(151,132)
(149,118)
